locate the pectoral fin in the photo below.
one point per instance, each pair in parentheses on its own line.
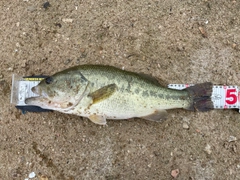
(98,119)
(158,115)
(103,93)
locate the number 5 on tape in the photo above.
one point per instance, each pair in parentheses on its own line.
(231,97)
(225,97)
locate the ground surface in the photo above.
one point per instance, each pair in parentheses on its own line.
(158,37)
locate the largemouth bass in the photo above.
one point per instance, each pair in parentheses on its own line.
(104,92)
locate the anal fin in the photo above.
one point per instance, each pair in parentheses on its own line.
(158,115)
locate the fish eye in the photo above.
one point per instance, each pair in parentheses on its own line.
(49,80)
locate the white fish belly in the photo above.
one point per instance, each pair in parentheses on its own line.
(121,106)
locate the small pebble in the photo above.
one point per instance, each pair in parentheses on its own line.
(67,20)
(175,173)
(232,138)
(32,175)
(234,45)
(58,25)
(46,5)
(67,61)
(207,149)
(234,148)
(185,126)
(10,69)
(43,177)
(24,63)
(203,32)
(31,8)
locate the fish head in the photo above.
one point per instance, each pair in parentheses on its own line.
(61,91)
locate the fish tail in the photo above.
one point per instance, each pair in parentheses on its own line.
(200,95)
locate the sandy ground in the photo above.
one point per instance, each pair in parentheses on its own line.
(158,37)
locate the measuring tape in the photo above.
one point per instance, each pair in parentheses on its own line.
(223,97)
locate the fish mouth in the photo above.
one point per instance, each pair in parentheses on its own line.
(38,91)
(38,101)
(35,90)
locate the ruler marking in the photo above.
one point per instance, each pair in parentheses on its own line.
(223,96)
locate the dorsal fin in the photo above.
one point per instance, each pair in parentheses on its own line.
(158,82)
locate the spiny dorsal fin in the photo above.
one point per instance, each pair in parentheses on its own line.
(156,81)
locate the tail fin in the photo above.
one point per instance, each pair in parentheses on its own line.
(201,97)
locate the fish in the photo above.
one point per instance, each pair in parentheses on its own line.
(101,92)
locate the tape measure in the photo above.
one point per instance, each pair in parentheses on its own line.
(223,97)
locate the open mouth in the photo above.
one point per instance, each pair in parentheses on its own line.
(35,90)
(39,99)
